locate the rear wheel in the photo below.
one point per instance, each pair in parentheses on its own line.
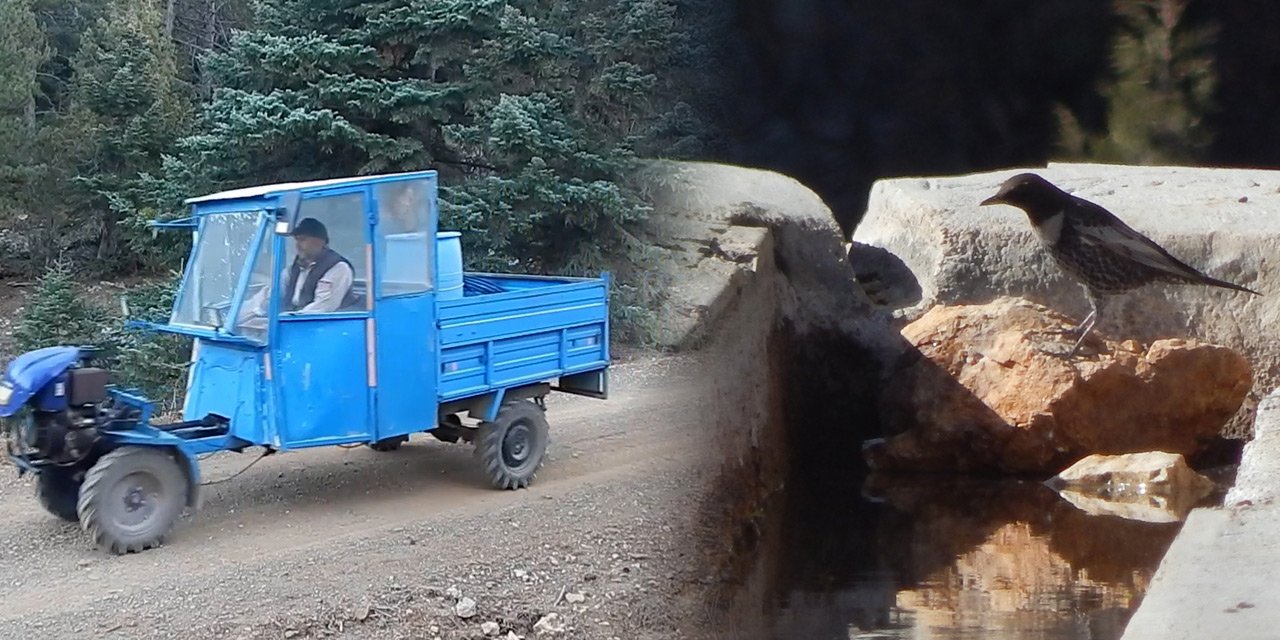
(58,490)
(389,444)
(131,498)
(513,446)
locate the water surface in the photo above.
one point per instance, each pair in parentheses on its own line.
(949,559)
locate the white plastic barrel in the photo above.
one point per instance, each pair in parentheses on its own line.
(449,264)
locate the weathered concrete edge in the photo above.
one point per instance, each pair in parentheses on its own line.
(1218,578)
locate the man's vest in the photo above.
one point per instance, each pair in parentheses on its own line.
(328,258)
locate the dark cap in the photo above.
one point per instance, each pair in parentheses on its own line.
(311,228)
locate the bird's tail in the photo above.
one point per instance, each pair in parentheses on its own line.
(1226,285)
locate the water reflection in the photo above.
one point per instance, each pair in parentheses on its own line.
(942,558)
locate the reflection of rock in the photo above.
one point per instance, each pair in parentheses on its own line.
(994,557)
(1151,508)
(1002,555)
(1013,580)
(986,390)
(1154,486)
(947,519)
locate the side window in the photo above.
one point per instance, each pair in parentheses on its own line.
(342,219)
(406,255)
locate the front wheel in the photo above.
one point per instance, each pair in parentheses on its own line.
(58,490)
(131,498)
(513,446)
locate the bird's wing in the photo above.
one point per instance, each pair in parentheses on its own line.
(1101,229)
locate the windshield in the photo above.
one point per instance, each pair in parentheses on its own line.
(220,258)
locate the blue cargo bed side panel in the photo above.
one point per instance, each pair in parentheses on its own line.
(523,335)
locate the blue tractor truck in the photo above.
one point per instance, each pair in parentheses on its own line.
(376,333)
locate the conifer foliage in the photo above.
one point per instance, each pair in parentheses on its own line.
(530,109)
(1162,91)
(129,108)
(58,314)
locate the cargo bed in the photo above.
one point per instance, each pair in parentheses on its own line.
(510,330)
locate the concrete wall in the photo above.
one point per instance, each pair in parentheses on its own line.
(794,352)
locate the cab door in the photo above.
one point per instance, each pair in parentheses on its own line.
(323,371)
(405,327)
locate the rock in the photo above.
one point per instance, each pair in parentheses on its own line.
(709,231)
(575,598)
(465,608)
(988,389)
(453,592)
(1154,486)
(1147,473)
(490,628)
(550,624)
(1256,480)
(925,241)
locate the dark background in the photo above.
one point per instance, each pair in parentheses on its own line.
(839,93)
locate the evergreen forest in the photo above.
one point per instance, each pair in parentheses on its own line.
(535,113)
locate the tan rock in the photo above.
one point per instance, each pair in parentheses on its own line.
(989,388)
(1147,472)
(1154,486)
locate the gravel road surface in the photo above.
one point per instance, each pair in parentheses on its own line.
(355,543)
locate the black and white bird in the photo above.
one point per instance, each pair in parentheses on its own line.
(1095,247)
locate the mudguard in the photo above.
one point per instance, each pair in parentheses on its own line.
(30,372)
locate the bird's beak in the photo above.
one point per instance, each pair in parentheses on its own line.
(992,200)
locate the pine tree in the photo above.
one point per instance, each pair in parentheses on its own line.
(58,315)
(530,109)
(155,363)
(131,109)
(22,52)
(1162,92)
(63,23)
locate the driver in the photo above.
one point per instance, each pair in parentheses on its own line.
(319,280)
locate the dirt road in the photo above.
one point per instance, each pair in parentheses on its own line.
(361,544)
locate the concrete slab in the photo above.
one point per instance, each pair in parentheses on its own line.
(1219,577)
(709,226)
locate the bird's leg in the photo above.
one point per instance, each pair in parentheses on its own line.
(1086,327)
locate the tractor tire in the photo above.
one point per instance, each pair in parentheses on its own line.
(58,491)
(131,498)
(390,444)
(513,446)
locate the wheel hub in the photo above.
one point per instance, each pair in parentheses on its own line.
(138,495)
(135,499)
(515,445)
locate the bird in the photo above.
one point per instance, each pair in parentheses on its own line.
(1093,246)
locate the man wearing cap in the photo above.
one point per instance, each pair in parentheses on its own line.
(320,278)
(318,281)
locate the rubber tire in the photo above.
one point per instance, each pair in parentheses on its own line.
(390,444)
(489,440)
(96,512)
(58,491)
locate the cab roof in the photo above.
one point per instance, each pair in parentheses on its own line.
(284,187)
